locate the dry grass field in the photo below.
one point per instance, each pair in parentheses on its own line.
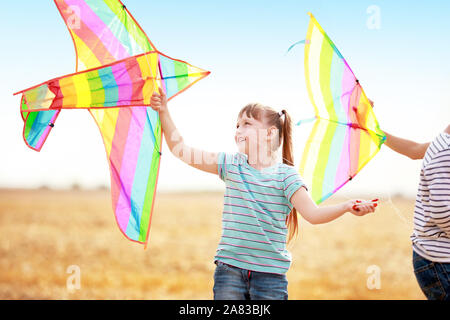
(44,232)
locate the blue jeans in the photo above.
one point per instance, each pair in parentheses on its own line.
(433,277)
(233,283)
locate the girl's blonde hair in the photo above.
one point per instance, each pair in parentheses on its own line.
(284,125)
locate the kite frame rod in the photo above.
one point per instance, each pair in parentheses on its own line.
(353,125)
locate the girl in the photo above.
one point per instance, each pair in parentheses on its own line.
(261,201)
(431,235)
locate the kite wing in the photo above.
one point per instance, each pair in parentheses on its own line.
(37,125)
(118,69)
(124,83)
(103,32)
(346,134)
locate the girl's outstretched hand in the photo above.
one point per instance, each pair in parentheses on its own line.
(158,102)
(360,207)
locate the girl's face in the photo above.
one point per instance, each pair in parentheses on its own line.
(252,135)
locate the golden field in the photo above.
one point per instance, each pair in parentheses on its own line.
(44,232)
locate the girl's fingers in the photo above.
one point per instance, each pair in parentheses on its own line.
(156,95)
(161,92)
(360,203)
(155,104)
(363,209)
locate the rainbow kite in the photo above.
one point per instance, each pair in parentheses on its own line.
(117,71)
(346,134)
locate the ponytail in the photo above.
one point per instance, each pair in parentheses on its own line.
(288,158)
(286,136)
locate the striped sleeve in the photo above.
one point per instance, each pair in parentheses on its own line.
(223,160)
(437,175)
(431,235)
(292,182)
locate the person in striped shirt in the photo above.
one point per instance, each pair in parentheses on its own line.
(261,201)
(431,234)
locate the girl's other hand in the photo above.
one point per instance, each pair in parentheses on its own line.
(361,208)
(158,102)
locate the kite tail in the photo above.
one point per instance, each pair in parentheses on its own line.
(306,120)
(295,44)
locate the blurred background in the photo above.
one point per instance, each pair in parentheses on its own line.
(54,205)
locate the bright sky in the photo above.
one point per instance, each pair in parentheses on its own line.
(401,60)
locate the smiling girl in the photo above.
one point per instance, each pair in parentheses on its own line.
(261,201)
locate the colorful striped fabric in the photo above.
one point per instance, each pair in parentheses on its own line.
(346,134)
(122,69)
(128,82)
(36,125)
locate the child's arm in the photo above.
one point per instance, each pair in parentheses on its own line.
(411,149)
(205,161)
(302,202)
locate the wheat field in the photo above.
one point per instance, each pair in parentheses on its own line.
(43,233)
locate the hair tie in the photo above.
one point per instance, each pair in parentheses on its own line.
(280,114)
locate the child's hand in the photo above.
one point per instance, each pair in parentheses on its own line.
(158,102)
(361,208)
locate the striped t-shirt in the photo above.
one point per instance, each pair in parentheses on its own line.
(431,235)
(256,205)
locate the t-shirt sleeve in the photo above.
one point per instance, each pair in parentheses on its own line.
(440,210)
(222,160)
(437,180)
(292,182)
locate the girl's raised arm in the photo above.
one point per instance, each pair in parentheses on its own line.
(199,159)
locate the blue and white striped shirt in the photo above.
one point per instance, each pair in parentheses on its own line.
(256,205)
(431,235)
